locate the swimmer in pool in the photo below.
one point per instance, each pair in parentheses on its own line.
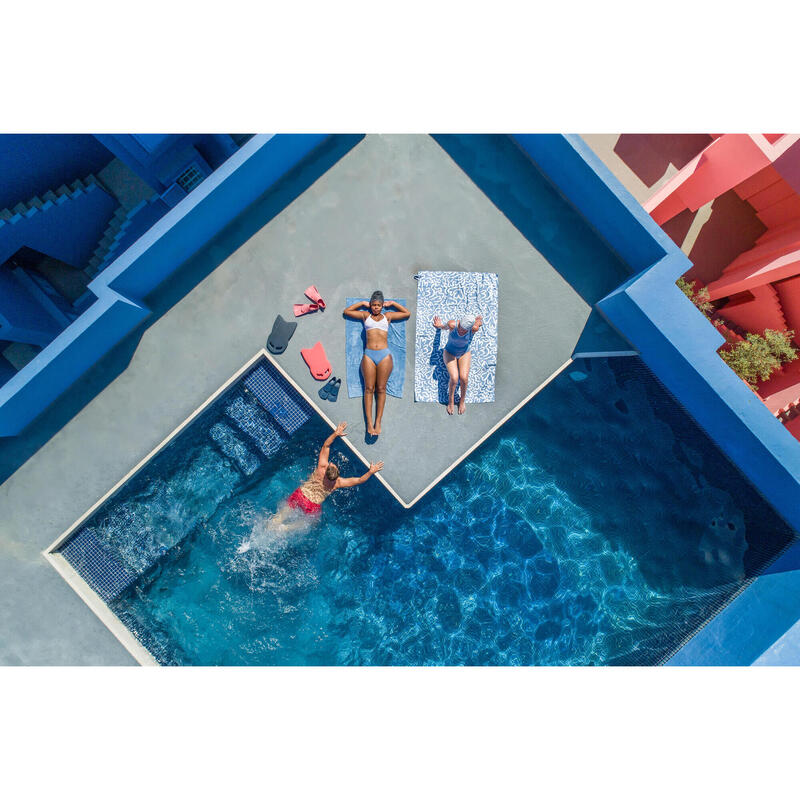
(376,363)
(324,480)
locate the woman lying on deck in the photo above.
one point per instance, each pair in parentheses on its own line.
(457,357)
(376,364)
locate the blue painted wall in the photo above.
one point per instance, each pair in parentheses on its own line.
(241,180)
(159,158)
(30,164)
(22,317)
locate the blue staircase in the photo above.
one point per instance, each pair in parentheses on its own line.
(64,223)
(123,230)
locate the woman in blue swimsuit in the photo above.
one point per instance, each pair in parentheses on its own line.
(376,364)
(457,357)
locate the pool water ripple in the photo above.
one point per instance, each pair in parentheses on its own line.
(588,530)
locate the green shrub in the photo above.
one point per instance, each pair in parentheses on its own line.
(700,297)
(758,357)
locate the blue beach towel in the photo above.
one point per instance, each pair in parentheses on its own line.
(448,295)
(354,351)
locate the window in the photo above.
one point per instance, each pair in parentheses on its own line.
(190,178)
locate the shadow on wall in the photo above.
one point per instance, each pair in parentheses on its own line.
(16,450)
(649,154)
(508,177)
(732,228)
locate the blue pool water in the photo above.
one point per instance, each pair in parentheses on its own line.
(598,526)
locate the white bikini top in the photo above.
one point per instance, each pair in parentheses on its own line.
(381,324)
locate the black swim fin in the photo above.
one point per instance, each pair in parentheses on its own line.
(281,333)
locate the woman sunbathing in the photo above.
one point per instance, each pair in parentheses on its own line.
(457,357)
(376,364)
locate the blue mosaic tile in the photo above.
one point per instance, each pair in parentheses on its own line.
(278,397)
(233,447)
(259,426)
(93,562)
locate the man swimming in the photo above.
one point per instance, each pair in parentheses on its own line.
(322,482)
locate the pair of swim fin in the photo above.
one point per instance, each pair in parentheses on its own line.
(330,391)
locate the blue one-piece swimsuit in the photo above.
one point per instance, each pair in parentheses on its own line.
(457,344)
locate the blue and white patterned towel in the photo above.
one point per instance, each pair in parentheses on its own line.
(449,295)
(354,352)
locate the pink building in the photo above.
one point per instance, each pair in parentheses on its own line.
(760,288)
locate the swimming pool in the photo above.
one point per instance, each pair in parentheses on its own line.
(598,526)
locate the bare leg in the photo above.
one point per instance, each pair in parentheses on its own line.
(280,514)
(302,523)
(368,371)
(452,370)
(463,373)
(384,370)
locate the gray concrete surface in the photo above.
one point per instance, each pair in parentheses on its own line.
(391,206)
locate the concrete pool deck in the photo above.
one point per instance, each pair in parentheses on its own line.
(392,206)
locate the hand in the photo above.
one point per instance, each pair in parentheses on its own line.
(389,304)
(373,468)
(478,321)
(437,322)
(340,429)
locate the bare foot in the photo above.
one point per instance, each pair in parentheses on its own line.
(376,429)
(450,408)
(370,430)
(462,406)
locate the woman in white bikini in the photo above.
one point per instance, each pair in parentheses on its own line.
(376,364)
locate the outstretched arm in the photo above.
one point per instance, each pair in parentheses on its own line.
(357,310)
(396,316)
(442,326)
(344,483)
(325,452)
(478,322)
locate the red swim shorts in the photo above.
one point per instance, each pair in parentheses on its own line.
(298,500)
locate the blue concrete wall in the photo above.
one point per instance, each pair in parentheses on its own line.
(67,229)
(30,164)
(22,318)
(590,187)
(62,362)
(241,180)
(159,158)
(205,212)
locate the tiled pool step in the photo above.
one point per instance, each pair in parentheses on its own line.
(101,570)
(257,424)
(233,447)
(278,398)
